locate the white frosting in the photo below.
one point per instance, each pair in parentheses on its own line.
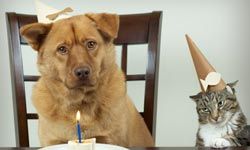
(88,144)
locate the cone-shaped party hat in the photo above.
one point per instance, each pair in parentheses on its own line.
(208,78)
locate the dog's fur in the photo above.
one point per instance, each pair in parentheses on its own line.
(107,113)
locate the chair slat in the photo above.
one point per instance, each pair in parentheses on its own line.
(32,116)
(31,78)
(134,24)
(124,58)
(135,77)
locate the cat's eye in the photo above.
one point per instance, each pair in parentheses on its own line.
(62,50)
(204,110)
(91,44)
(220,103)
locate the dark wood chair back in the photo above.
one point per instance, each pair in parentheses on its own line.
(134,29)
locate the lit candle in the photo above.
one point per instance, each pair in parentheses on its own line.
(78,128)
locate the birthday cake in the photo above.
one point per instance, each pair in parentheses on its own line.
(88,144)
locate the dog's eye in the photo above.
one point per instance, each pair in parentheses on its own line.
(62,50)
(91,45)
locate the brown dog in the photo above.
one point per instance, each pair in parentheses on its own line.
(76,59)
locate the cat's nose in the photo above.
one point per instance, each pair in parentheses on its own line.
(215,118)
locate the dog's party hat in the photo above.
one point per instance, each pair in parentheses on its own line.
(47,14)
(209,79)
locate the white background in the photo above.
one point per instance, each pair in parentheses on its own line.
(219,27)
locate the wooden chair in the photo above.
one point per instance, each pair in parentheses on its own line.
(134,29)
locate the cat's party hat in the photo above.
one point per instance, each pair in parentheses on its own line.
(47,14)
(209,79)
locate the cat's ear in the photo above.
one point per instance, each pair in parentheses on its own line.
(230,86)
(195,98)
(233,84)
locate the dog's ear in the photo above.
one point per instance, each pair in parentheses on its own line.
(108,24)
(35,34)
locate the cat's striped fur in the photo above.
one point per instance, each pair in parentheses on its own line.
(221,120)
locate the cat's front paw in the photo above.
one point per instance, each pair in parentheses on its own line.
(220,143)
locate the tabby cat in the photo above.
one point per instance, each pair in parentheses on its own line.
(221,121)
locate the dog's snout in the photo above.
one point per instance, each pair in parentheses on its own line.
(82,72)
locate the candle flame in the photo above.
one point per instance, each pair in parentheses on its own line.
(78,115)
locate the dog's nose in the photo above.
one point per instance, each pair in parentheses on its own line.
(82,72)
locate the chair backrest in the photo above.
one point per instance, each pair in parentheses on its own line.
(134,29)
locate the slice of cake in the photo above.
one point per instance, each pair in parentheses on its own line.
(88,144)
